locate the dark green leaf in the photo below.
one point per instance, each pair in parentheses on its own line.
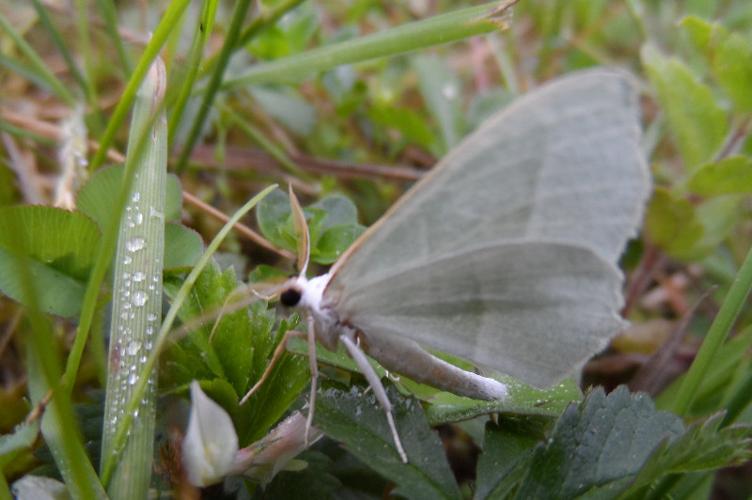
(507,450)
(61,247)
(356,420)
(314,482)
(605,439)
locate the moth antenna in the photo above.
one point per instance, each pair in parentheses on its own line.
(378,389)
(301,228)
(314,367)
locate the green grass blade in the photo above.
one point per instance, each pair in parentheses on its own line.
(193,63)
(36,66)
(166,25)
(238,16)
(137,291)
(267,17)
(57,40)
(437,30)
(258,137)
(109,14)
(719,330)
(109,461)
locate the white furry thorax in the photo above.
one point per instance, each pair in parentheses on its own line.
(326,321)
(312,292)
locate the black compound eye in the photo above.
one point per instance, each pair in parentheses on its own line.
(290,297)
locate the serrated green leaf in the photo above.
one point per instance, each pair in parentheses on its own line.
(183,247)
(507,450)
(356,420)
(230,352)
(732,175)
(697,122)
(702,447)
(95,197)
(672,223)
(605,439)
(61,247)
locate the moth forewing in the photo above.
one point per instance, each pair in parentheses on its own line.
(506,252)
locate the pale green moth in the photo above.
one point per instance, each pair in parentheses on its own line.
(505,254)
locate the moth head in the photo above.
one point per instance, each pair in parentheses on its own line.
(291,295)
(302,292)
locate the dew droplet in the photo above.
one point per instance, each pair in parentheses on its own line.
(139,298)
(138,276)
(132,379)
(136,197)
(449,91)
(127,260)
(155,213)
(149,330)
(151,317)
(138,218)
(135,244)
(133,347)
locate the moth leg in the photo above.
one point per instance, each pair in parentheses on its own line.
(314,367)
(378,389)
(280,349)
